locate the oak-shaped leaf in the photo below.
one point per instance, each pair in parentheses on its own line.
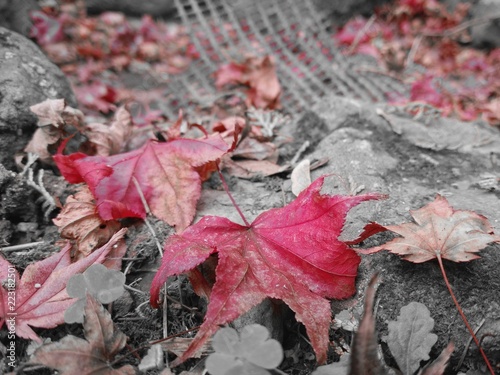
(438,231)
(80,222)
(103,284)
(291,253)
(165,172)
(89,356)
(41,297)
(410,339)
(248,352)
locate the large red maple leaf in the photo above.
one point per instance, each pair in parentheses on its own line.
(167,173)
(291,253)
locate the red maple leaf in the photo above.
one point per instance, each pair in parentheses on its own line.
(165,172)
(39,298)
(97,96)
(291,253)
(46,29)
(259,75)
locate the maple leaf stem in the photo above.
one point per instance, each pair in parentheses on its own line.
(226,188)
(462,315)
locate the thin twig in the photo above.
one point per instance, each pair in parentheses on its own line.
(148,212)
(165,320)
(413,51)
(361,34)
(226,188)
(299,152)
(151,343)
(133,289)
(160,249)
(23,246)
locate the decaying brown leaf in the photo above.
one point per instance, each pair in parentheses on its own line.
(73,355)
(364,354)
(80,222)
(248,169)
(55,120)
(439,365)
(179,345)
(439,231)
(110,140)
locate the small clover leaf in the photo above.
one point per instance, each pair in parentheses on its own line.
(104,284)
(250,352)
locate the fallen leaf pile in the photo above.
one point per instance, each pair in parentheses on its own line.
(130,166)
(58,123)
(458,80)
(85,47)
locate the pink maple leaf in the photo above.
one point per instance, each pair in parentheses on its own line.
(39,298)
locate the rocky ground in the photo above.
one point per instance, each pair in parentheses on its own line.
(369,148)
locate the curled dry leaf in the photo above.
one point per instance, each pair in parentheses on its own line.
(41,297)
(251,148)
(110,140)
(73,355)
(291,253)
(301,176)
(79,221)
(249,169)
(364,353)
(55,121)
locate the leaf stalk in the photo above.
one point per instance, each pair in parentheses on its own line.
(462,315)
(226,188)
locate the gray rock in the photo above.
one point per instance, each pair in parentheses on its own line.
(412,162)
(15,15)
(486,34)
(27,77)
